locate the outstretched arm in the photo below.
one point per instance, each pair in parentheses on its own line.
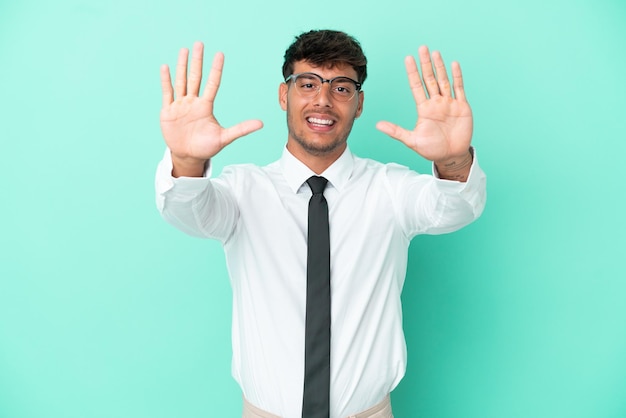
(189,126)
(443,132)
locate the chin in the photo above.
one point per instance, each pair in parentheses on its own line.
(320,149)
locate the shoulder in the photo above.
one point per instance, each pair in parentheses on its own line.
(365,166)
(240,175)
(248,169)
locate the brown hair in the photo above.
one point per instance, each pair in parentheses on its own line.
(326,47)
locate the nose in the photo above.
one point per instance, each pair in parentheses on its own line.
(323,97)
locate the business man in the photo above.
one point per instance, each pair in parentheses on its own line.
(317,242)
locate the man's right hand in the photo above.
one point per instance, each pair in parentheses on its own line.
(189,127)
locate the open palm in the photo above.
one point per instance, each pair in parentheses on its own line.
(444,127)
(189,126)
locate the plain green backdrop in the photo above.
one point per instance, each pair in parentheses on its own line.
(108,312)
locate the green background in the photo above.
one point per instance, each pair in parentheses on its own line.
(107,311)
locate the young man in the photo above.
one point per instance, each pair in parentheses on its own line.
(316,243)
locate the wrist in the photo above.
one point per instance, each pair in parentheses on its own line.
(455,161)
(188,167)
(455,168)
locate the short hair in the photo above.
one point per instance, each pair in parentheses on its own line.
(326,47)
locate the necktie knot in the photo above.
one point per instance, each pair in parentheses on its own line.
(317,184)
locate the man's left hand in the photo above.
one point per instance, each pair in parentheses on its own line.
(443,132)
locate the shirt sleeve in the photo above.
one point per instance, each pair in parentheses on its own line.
(200,206)
(430,205)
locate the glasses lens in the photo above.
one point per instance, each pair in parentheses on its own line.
(342,88)
(307,84)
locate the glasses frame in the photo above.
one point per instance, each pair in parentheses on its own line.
(323,80)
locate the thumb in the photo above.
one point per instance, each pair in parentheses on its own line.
(241,129)
(394,131)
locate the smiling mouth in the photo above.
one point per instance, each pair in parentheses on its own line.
(320,122)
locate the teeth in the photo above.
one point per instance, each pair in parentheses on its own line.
(320,121)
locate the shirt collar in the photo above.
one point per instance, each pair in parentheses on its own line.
(296,173)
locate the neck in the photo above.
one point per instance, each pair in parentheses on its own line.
(317,162)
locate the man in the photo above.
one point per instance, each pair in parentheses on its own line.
(267,219)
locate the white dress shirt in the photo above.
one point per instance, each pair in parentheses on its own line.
(260,216)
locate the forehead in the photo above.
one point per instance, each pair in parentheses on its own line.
(325,70)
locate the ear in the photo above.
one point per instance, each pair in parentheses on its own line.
(283,89)
(359,108)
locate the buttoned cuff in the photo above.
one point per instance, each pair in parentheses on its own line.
(455,186)
(186,188)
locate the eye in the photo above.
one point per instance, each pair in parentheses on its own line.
(343,87)
(307,83)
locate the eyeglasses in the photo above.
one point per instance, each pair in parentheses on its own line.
(308,85)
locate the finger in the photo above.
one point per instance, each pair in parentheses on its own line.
(432,87)
(442,75)
(166,85)
(195,70)
(241,129)
(180,83)
(415,82)
(215,77)
(457,80)
(394,131)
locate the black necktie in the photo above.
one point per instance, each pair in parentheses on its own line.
(316,399)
